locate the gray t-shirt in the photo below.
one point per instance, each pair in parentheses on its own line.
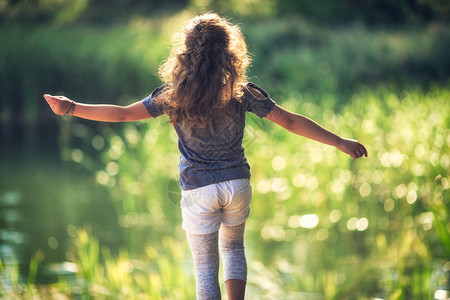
(214,153)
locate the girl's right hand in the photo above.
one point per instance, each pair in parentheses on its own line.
(60,105)
(352,148)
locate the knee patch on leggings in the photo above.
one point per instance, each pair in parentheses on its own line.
(232,252)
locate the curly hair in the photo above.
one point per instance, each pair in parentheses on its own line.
(205,70)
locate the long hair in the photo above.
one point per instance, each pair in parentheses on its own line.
(205,70)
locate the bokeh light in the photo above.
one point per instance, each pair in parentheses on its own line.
(309,221)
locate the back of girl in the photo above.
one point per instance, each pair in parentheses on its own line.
(206,97)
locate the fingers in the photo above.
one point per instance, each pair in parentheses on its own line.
(359,151)
(50,97)
(364,151)
(352,147)
(58,104)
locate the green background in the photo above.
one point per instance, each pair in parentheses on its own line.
(91,210)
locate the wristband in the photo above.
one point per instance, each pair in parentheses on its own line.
(73,110)
(72,107)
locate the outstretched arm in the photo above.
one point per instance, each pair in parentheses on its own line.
(306,127)
(61,105)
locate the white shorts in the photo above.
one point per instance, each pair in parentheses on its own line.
(205,208)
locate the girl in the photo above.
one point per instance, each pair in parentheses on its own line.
(206,96)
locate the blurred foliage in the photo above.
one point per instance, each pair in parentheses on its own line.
(295,55)
(368,11)
(290,55)
(324,11)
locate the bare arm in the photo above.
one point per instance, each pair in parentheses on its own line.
(98,112)
(306,127)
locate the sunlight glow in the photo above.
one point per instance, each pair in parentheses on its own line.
(104,179)
(425,189)
(72,230)
(299,180)
(112,168)
(441,294)
(151,136)
(377,176)
(368,126)
(263,186)
(309,221)
(98,142)
(389,205)
(52,242)
(278,163)
(357,224)
(351,223)
(419,150)
(434,159)
(337,187)
(279,185)
(117,147)
(394,158)
(400,191)
(417,169)
(77,155)
(426,219)
(317,156)
(335,216)
(312,183)
(294,221)
(362,224)
(132,135)
(346,176)
(365,189)
(446,267)
(411,197)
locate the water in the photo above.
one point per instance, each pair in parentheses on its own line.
(42,197)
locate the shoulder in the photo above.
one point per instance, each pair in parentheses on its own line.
(256,100)
(255,91)
(155,102)
(160,94)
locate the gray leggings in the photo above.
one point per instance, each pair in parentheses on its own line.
(204,248)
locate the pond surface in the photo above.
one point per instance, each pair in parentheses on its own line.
(42,197)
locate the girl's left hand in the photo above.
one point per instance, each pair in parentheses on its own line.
(352,148)
(60,105)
